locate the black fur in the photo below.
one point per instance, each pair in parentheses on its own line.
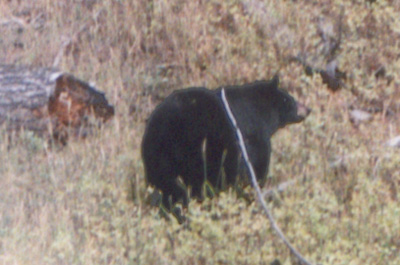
(192,124)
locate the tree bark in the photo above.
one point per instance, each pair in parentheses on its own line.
(46,100)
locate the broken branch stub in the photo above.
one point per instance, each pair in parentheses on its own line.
(47,101)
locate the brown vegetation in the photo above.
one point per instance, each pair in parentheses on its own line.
(87,204)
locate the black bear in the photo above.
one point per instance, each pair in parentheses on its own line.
(189,135)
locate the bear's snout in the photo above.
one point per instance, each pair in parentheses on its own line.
(302,111)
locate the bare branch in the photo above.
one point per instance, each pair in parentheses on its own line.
(255,183)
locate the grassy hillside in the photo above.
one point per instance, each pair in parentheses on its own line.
(87,203)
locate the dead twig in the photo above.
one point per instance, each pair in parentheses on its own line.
(13,20)
(280,188)
(331,75)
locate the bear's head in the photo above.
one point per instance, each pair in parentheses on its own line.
(288,109)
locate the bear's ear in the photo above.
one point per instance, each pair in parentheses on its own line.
(275,81)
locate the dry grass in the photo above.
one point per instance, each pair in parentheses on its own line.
(86,203)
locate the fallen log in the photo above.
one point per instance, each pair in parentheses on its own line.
(49,102)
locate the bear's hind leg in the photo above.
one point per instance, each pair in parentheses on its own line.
(231,165)
(172,194)
(162,173)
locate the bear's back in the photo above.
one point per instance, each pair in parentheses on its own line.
(187,117)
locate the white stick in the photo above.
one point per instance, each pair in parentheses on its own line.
(255,183)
